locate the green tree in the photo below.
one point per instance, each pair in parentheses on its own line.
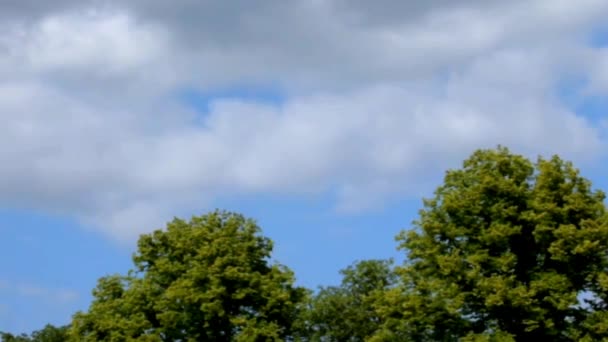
(49,333)
(347,312)
(503,252)
(8,337)
(208,279)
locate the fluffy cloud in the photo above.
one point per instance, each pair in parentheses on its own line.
(375,97)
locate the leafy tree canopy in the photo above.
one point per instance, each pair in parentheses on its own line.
(208,279)
(506,250)
(503,252)
(49,333)
(347,312)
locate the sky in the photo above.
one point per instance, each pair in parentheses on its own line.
(327,121)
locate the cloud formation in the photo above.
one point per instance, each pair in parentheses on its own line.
(375,97)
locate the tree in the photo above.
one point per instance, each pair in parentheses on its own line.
(49,333)
(8,337)
(208,279)
(503,252)
(347,312)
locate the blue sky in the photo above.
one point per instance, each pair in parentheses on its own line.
(326,121)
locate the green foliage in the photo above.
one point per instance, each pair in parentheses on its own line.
(347,312)
(204,280)
(7,337)
(506,250)
(501,253)
(49,333)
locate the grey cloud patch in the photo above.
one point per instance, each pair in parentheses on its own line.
(394,12)
(91,128)
(34,9)
(314,44)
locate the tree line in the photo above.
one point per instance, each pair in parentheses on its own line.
(506,249)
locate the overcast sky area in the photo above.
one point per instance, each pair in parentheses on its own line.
(325,120)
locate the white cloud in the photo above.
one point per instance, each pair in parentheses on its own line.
(111,42)
(375,99)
